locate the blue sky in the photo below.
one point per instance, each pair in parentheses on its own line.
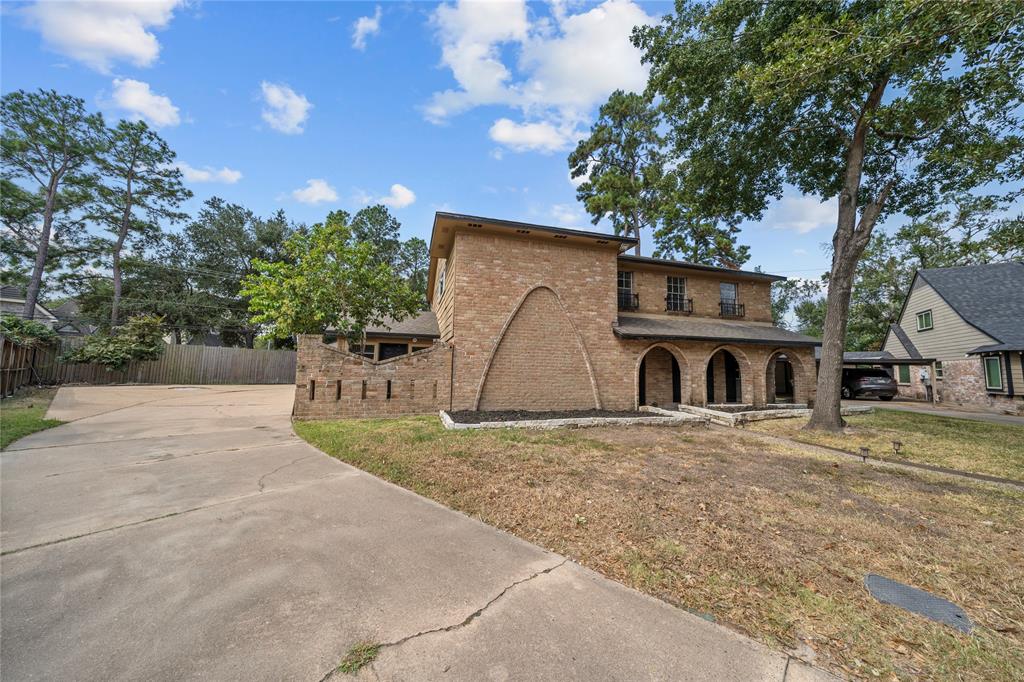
(313,106)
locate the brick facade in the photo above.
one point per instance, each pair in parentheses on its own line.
(332,383)
(528,324)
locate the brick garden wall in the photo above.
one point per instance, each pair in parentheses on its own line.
(331,383)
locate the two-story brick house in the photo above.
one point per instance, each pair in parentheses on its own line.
(533,317)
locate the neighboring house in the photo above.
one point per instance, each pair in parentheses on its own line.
(971,320)
(12,302)
(70,322)
(532,317)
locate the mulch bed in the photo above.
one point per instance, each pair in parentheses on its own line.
(475,417)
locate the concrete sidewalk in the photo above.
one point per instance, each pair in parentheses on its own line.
(186,533)
(939,411)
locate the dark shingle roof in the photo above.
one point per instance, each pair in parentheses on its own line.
(422,326)
(987,297)
(8,291)
(708,330)
(902,337)
(858,355)
(667,262)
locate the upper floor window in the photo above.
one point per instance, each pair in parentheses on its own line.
(994,373)
(675,295)
(729,306)
(440,283)
(627,299)
(366,350)
(729,292)
(924,321)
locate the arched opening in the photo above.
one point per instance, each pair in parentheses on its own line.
(724,380)
(661,378)
(780,380)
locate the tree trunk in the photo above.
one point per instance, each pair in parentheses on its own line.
(847,246)
(122,234)
(42,252)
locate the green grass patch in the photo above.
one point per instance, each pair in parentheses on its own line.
(359,655)
(963,444)
(24,414)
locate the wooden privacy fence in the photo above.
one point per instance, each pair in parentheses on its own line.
(15,366)
(177,365)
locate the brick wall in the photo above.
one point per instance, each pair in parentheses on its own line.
(658,377)
(331,383)
(651,286)
(963,383)
(539,362)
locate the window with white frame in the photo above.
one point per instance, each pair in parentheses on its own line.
(994,373)
(924,320)
(938,370)
(440,282)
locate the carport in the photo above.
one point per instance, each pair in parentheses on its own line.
(886,361)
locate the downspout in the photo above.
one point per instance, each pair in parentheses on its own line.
(1009,374)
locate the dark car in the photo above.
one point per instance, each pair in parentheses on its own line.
(868,382)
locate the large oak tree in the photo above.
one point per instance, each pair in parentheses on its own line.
(884,106)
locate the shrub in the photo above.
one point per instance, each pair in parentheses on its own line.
(27,332)
(140,338)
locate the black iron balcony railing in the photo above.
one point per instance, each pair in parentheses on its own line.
(628,300)
(731,309)
(675,303)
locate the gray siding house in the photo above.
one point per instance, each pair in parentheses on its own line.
(971,320)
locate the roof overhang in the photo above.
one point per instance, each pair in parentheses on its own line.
(447,225)
(996,348)
(699,329)
(665,264)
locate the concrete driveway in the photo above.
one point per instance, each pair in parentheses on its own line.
(185,532)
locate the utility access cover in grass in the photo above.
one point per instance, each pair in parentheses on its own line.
(912,599)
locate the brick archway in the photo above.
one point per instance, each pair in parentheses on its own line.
(519,371)
(684,372)
(745,370)
(801,388)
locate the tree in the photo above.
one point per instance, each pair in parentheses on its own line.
(376,225)
(413,265)
(225,240)
(886,105)
(622,166)
(330,280)
(142,188)
(140,338)
(49,140)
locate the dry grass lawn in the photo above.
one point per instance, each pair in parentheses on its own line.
(975,446)
(767,539)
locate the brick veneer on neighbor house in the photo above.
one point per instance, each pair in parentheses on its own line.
(528,321)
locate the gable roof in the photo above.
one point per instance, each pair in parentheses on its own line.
(988,297)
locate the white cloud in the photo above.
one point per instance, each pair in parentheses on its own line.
(801,214)
(136,98)
(316,191)
(400,197)
(566,214)
(564,65)
(521,137)
(799,252)
(98,33)
(284,109)
(365,27)
(225,175)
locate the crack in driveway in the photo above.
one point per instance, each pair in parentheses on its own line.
(161,517)
(461,624)
(260,483)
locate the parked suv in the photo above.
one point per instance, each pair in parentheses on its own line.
(868,382)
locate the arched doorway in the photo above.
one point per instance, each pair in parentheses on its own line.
(779,380)
(724,379)
(660,378)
